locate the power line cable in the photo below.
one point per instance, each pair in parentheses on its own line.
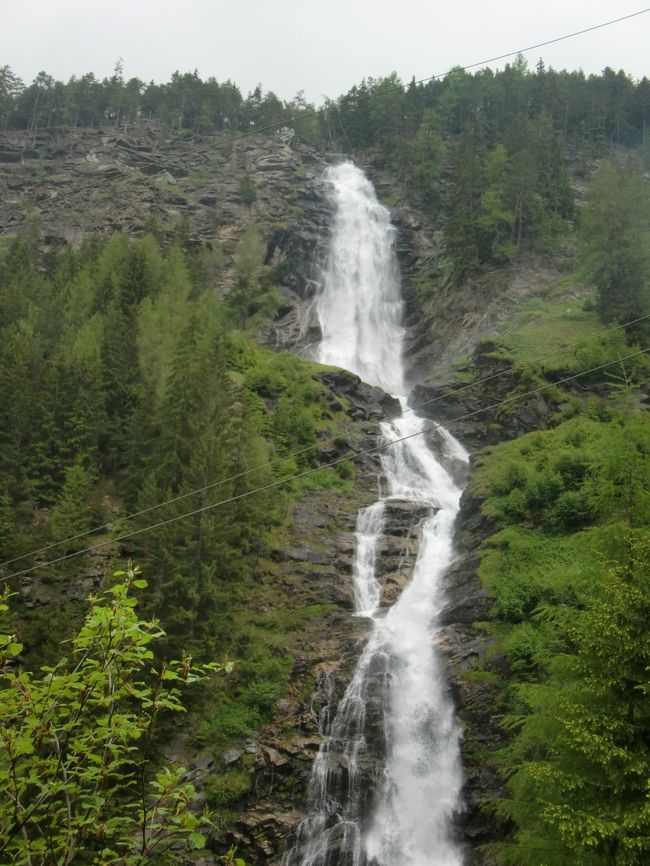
(275,484)
(310,448)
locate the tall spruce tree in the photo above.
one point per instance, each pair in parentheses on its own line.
(615,240)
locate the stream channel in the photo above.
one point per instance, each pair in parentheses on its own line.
(395,724)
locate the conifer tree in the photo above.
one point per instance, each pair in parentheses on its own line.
(70,514)
(581,764)
(248,268)
(615,244)
(427,152)
(7,531)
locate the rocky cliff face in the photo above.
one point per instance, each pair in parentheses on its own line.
(203,190)
(99,180)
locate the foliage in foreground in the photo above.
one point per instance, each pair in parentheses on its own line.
(76,779)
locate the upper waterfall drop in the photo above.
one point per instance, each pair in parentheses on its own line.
(360,307)
(396,716)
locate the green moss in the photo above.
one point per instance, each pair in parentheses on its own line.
(228,788)
(336,478)
(232,722)
(545,328)
(480,675)
(171,189)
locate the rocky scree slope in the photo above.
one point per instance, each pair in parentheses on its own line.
(203,190)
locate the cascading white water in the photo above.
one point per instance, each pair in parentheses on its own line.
(360,307)
(395,724)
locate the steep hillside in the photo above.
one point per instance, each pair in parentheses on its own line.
(251,217)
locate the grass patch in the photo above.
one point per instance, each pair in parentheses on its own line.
(546,328)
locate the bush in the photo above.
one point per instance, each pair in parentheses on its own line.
(226,789)
(74,740)
(572,511)
(247,189)
(232,721)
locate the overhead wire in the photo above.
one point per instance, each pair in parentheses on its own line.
(319,445)
(280,482)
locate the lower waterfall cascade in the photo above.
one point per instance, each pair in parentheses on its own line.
(396,716)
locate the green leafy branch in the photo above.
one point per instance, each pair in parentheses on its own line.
(76,779)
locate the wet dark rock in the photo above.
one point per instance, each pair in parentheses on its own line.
(204,762)
(401,515)
(468,601)
(365,401)
(274,757)
(230,756)
(466,648)
(11,156)
(305,554)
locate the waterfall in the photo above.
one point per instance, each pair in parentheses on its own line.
(386,782)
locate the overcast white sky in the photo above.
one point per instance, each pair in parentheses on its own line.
(320,46)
